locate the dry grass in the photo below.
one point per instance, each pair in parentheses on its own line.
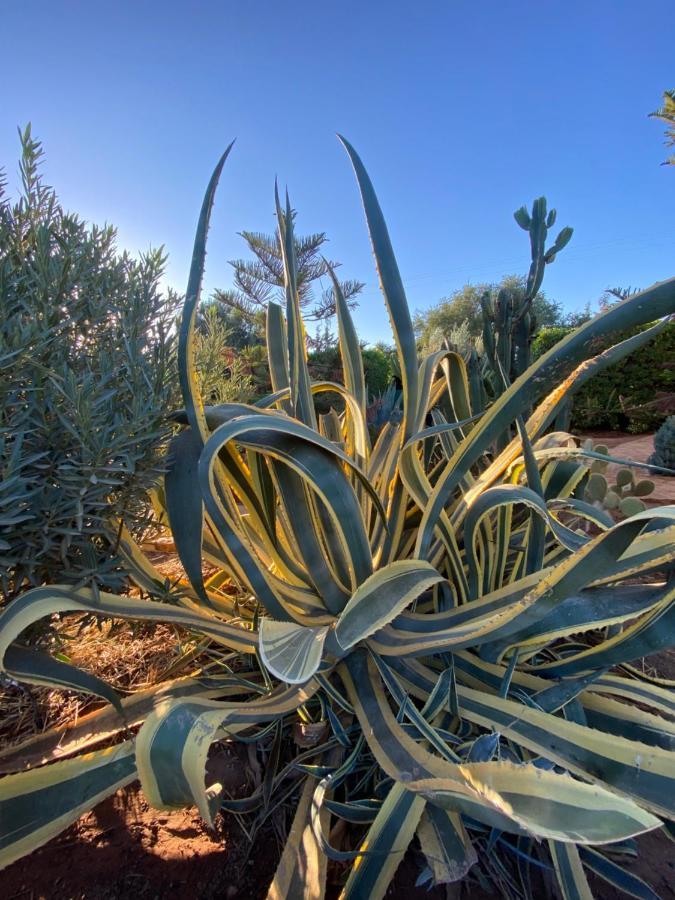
(27,711)
(127,656)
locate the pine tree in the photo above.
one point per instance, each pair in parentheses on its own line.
(259,280)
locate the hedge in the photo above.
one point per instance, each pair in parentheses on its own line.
(635,396)
(326,365)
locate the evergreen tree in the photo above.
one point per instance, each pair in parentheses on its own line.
(259,280)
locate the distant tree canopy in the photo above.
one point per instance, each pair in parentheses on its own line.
(458,318)
(666,113)
(259,280)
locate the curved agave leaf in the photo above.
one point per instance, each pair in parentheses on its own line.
(520,606)
(277,351)
(314,459)
(643,772)
(488,502)
(381,597)
(623,881)
(104,723)
(42,602)
(290,652)
(253,430)
(39,804)
(301,398)
(392,289)
(570,871)
(445,844)
(549,453)
(588,609)
(656,302)
(633,723)
(352,362)
(385,844)
(519,799)
(302,868)
(652,632)
(545,414)
(324,534)
(185,507)
(186,359)
(173,743)
(636,691)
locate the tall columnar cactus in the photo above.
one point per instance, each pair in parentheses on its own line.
(508,320)
(664,445)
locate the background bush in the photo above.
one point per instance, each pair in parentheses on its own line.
(635,396)
(378,367)
(379,370)
(86,379)
(223,373)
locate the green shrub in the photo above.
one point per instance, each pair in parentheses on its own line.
(463,309)
(547,338)
(635,396)
(86,373)
(378,370)
(326,365)
(223,373)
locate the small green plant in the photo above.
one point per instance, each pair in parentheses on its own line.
(221,372)
(326,365)
(383,409)
(378,369)
(454,649)
(664,446)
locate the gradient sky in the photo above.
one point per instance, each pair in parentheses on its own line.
(461,111)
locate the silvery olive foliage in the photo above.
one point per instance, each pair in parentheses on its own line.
(86,377)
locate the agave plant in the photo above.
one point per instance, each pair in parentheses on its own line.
(455,623)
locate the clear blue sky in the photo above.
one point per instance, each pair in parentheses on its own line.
(462,111)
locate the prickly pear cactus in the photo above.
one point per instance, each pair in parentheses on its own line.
(624,496)
(664,446)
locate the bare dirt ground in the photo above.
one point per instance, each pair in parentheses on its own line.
(124,849)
